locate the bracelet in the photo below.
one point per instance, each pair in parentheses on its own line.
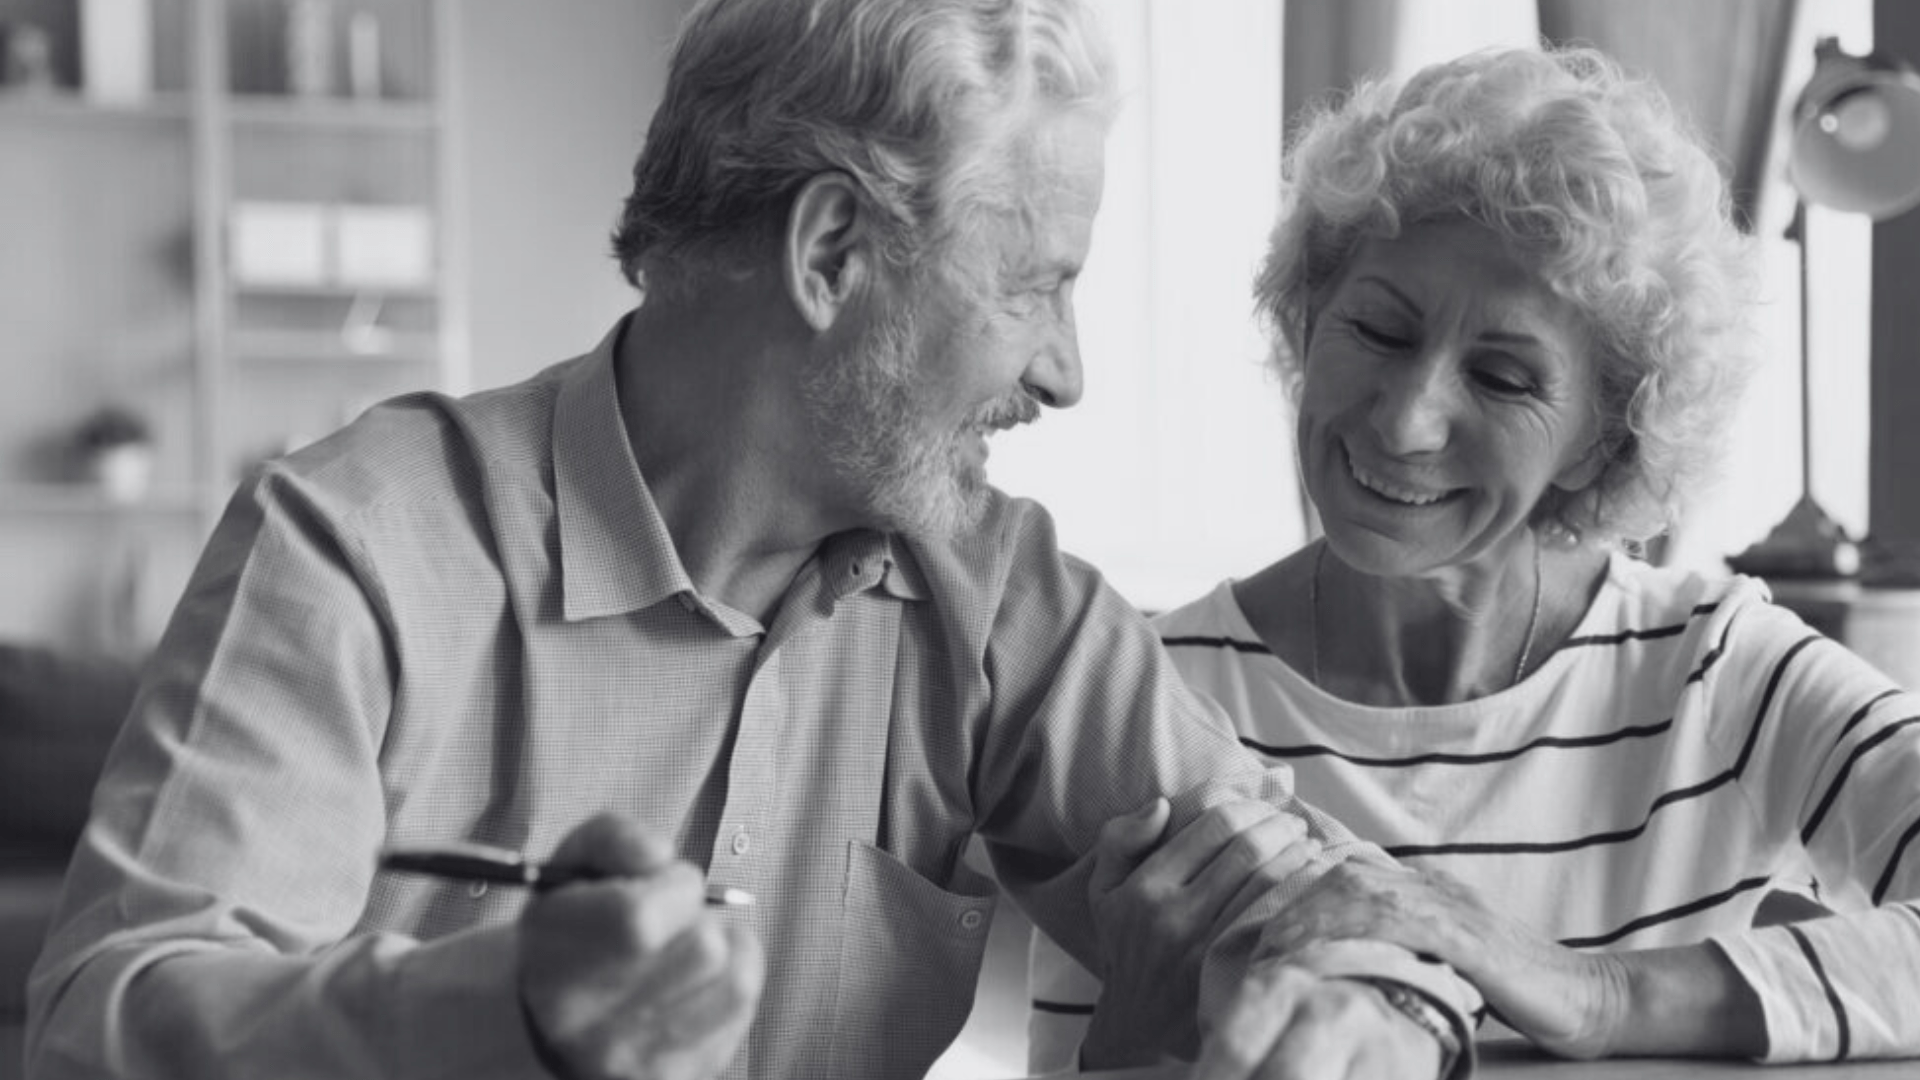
(1419,1008)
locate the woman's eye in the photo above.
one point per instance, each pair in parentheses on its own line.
(1379,337)
(1502,384)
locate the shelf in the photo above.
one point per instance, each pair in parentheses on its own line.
(77,498)
(337,292)
(345,114)
(323,347)
(65,106)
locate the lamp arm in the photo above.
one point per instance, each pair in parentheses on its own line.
(1797,232)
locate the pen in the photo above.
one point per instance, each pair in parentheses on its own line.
(504,866)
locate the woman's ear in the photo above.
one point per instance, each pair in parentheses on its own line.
(825,251)
(1587,469)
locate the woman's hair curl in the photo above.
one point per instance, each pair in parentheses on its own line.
(1610,196)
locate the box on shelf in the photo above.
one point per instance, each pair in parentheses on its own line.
(116,50)
(383,246)
(280,244)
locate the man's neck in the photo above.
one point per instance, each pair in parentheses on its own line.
(709,401)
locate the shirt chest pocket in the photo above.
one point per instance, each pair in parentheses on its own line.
(909,958)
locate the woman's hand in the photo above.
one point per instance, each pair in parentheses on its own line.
(1158,905)
(1567,1002)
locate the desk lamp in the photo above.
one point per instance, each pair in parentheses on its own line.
(1855,147)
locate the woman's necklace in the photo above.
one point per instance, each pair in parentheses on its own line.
(1526,645)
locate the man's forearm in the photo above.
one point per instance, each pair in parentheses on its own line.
(377,1005)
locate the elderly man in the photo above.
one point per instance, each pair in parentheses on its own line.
(725,603)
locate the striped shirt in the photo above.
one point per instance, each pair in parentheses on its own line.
(466,620)
(1690,747)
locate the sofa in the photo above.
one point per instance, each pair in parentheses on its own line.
(59,713)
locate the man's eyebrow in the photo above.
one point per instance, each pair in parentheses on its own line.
(1047,270)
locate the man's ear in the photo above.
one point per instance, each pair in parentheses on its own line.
(825,255)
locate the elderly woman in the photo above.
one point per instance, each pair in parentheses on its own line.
(1510,304)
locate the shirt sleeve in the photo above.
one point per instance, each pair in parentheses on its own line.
(206,927)
(1832,763)
(1103,724)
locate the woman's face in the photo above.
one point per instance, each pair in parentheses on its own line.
(1447,388)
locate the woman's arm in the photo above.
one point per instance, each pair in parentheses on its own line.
(1688,1000)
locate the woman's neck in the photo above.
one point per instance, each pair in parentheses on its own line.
(1429,640)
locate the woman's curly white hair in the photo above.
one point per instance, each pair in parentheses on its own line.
(1611,197)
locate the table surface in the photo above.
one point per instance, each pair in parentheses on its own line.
(1512,1061)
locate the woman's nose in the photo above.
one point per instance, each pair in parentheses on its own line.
(1413,410)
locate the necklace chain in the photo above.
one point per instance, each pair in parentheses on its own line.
(1526,645)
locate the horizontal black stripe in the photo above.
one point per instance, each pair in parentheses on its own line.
(1844,1036)
(1691,907)
(1766,699)
(1654,634)
(1886,876)
(1861,714)
(1846,769)
(1713,656)
(1616,638)
(1554,847)
(1641,731)
(1235,644)
(1061,1008)
(1547,847)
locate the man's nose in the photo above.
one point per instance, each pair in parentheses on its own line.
(1055,378)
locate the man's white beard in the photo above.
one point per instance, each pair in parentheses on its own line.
(872,428)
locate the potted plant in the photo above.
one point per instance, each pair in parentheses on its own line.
(116,446)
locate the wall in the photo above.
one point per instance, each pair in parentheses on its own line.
(555,102)
(1176,469)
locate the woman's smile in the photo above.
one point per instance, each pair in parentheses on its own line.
(1402,492)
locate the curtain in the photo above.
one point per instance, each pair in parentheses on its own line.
(1331,43)
(1721,62)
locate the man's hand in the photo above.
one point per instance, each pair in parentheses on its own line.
(1158,906)
(1288,1023)
(630,975)
(1567,1002)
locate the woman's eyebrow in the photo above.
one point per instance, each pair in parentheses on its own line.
(1388,287)
(1511,337)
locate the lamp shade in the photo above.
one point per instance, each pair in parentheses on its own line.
(1856,134)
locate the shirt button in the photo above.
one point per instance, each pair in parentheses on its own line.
(971,919)
(853,569)
(741,843)
(477,889)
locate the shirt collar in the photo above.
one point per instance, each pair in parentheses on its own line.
(616,555)
(860,559)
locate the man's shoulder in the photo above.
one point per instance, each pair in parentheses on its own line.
(427,445)
(1012,537)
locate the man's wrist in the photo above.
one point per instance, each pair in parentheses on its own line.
(1427,1014)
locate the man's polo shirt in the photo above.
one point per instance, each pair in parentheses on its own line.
(466,620)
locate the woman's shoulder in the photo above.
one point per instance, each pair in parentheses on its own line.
(1213,615)
(1713,616)
(1647,596)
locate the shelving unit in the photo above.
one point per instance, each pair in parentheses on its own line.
(118,282)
